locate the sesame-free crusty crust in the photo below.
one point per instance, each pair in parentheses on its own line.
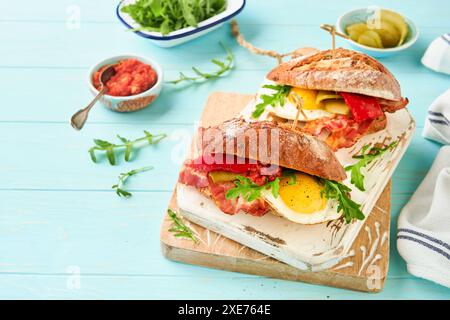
(342,70)
(272,143)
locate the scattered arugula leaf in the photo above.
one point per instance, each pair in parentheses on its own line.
(339,192)
(128,145)
(179,228)
(357,178)
(166,16)
(224,67)
(278,97)
(123,178)
(251,191)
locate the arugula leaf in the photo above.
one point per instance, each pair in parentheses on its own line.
(166,16)
(129,145)
(179,228)
(123,178)
(187,8)
(224,67)
(357,178)
(251,191)
(339,192)
(156,7)
(275,186)
(278,97)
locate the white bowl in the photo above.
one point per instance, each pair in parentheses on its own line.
(362,14)
(128,103)
(177,37)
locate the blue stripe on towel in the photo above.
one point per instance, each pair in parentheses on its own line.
(425,244)
(443,122)
(444,37)
(420,234)
(434,113)
(438,114)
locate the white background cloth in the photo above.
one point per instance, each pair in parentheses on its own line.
(437,56)
(423,238)
(437,124)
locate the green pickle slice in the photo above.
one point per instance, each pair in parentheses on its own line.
(371,38)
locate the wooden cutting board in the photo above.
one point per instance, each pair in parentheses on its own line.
(364,269)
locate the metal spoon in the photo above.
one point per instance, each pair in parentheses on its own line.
(79,118)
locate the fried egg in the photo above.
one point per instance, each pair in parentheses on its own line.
(289,111)
(312,109)
(300,200)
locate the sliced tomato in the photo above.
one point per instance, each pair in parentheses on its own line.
(362,107)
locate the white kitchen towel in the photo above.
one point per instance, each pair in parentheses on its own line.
(423,238)
(437,55)
(437,123)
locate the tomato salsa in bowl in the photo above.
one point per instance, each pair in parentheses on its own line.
(136,84)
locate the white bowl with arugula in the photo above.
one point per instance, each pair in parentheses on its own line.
(168,23)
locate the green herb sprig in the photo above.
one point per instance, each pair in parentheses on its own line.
(166,16)
(339,192)
(251,191)
(128,145)
(224,66)
(357,178)
(179,229)
(123,178)
(278,97)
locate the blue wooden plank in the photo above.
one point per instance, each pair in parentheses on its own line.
(35,51)
(119,287)
(54,156)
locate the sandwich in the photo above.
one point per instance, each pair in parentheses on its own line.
(265,167)
(338,96)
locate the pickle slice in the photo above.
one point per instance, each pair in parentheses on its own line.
(370,38)
(326,95)
(337,107)
(389,34)
(355,30)
(222,176)
(397,21)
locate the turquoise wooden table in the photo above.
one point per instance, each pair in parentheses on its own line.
(63,231)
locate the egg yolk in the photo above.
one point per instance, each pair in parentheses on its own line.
(308,98)
(304,195)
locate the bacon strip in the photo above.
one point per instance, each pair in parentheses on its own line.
(343,131)
(192,177)
(197,176)
(392,106)
(257,207)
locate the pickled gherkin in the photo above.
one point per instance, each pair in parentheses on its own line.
(389,32)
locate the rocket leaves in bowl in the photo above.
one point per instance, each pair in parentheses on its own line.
(165,16)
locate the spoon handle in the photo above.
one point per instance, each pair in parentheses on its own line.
(79,118)
(94,101)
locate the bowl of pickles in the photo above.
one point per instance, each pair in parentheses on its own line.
(378,32)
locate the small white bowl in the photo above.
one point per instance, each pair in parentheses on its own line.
(362,14)
(177,37)
(128,103)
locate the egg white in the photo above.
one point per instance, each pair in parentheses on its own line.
(289,111)
(281,209)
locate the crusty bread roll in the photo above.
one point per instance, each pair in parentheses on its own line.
(342,70)
(292,149)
